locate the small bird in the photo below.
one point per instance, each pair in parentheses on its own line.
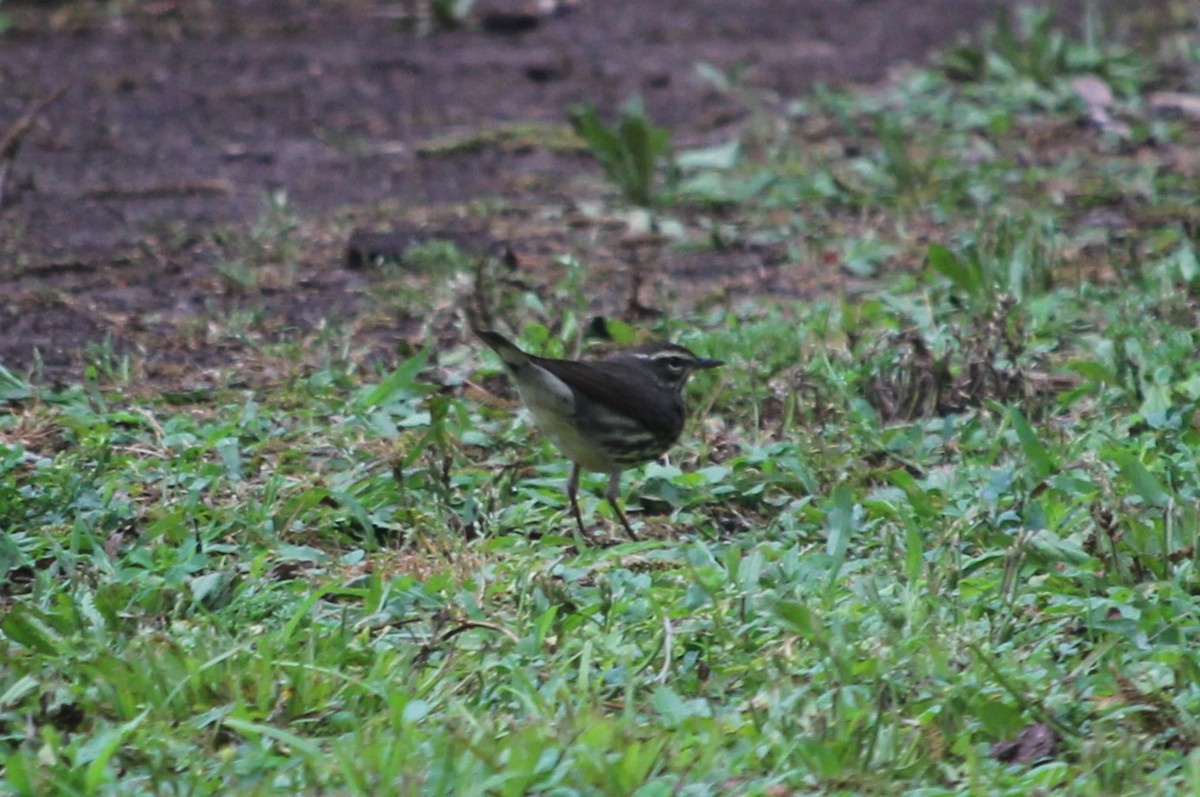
(604,415)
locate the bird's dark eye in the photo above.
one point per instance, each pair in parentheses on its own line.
(674,363)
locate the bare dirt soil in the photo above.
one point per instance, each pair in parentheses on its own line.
(132,189)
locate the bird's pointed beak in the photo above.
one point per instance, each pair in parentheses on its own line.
(707,363)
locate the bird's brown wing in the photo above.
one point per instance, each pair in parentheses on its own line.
(626,392)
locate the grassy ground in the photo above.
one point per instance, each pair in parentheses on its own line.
(934,535)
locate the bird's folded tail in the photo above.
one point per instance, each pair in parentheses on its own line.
(512,356)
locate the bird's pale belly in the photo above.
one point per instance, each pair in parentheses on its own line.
(587,433)
(568,439)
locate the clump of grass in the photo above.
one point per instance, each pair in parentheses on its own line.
(634,152)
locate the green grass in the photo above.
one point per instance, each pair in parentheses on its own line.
(907,525)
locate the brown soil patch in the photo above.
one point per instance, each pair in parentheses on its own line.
(181,118)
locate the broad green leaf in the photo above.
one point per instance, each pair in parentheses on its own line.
(840,521)
(398,383)
(950,266)
(1143,482)
(11,555)
(16,774)
(720,157)
(12,388)
(914,553)
(296,743)
(1185,260)
(22,627)
(18,691)
(1095,371)
(1035,451)
(212,590)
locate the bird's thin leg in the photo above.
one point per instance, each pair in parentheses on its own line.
(614,487)
(572,489)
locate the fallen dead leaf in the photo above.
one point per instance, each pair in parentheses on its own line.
(1175,102)
(1034,743)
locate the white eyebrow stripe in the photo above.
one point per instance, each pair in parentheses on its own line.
(673,353)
